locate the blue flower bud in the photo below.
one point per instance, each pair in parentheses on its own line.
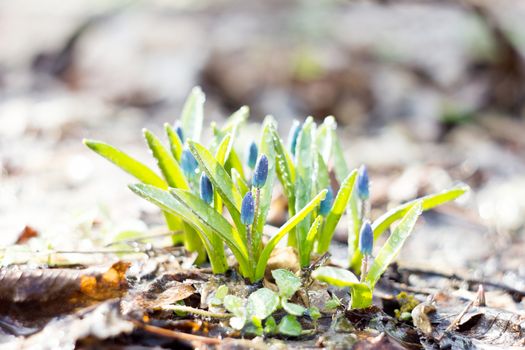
(294,134)
(366,239)
(363,190)
(206,189)
(247,209)
(180,133)
(188,163)
(326,203)
(261,172)
(252,155)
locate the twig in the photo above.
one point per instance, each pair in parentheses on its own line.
(196,311)
(177,335)
(455,322)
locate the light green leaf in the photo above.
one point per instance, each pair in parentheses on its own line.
(193,114)
(223,151)
(221,292)
(304,183)
(325,136)
(361,293)
(176,145)
(221,181)
(266,148)
(235,305)
(205,229)
(270,326)
(290,326)
(338,208)
(242,186)
(287,282)
(335,276)
(213,220)
(428,202)
(165,161)
(312,234)
(262,303)
(284,167)
(236,119)
(393,245)
(293,309)
(321,174)
(340,165)
(126,163)
(291,223)
(234,162)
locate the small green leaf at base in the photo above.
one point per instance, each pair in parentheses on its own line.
(290,326)
(287,282)
(262,303)
(293,309)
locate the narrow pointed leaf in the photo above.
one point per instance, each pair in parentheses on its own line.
(193,114)
(241,185)
(325,137)
(176,145)
(427,202)
(284,167)
(338,208)
(290,224)
(167,164)
(169,203)
(126,163)
(393,245)
(221,181)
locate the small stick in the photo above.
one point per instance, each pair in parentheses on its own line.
(177,335)
(364,267)
(195,311)
(455,322)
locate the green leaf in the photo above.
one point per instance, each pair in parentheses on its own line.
(340,165)
(236,119)
(262,303)
(287,282)
(241,185)
(193,114)
(270,326)
(312,234)
(393,245)
(290,224)
(333,303)
(293,309)
(290,326)
(321,173)
(221,181)
(313,312)
(235,305)
(428,202)
(221,292)
(176,145)
(205,229)
(284,167)
(335,276)
(305,158)
(165,161)
(234,162)
(325,136)
(223,151)
(126,163)
(338,208)
(265,199)
(210,218)
(361,292)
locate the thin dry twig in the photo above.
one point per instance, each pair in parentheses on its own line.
(186,337)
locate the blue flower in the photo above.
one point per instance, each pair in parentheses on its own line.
(261,172)
(366,239)
(206,189)
(294,135)
(326,203)
(363,190)
(188,163)
(252,155)
(180,133)
(247,209)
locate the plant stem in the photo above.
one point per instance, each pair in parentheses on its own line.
(195,311)
(255,239)
(364,267)
(250,248)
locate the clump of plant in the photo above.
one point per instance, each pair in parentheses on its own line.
(254,314)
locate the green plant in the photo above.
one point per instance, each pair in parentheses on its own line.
(250,314)
(244,235)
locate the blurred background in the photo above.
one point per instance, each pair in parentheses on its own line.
(427,93)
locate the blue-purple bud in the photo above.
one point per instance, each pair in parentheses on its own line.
(326,203)
(247,209)
(366,239)
(180,133)
(252,155)
(206,189)
(363,190)
(294,135)
(261,172)
(188,163)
